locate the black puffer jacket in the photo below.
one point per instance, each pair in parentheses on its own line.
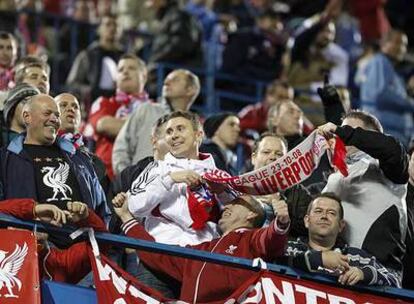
(298,200)
(178,39)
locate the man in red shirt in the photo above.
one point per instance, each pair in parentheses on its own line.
(254,117)
(200,281)
(108,115)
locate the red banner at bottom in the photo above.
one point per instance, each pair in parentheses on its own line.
(19,271)
(271,288)
(115,286)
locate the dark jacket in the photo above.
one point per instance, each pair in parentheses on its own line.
(252,53)
(122,183)
(300,255)
(7,136)
(220,159)
(87,68)
(392,156)
(297,199)
(100,169)
(178,39)
(18,177)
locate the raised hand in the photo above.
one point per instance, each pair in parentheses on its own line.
(50,214)
(327,130)
(280,209)
(328,93)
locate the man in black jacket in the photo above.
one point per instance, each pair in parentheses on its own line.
(267,149)
(322,252)
(222,131)
(123,181)
(179,38)
(257,52)
(373,194)
(94,70)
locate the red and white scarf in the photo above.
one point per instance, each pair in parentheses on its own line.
(291,169)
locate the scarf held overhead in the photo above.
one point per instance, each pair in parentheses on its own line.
(291,169)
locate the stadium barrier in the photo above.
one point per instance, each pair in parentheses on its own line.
(53,292)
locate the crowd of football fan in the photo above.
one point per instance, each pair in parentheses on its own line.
(104,151)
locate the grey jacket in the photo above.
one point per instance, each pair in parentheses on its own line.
(373,194)
(133,142)
(374,209)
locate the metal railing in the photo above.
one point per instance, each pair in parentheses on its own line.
(227,261)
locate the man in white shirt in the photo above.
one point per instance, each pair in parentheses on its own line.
(178,207)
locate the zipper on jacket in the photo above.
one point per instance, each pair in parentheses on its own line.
(201,270)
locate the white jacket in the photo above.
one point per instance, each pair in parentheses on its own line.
(163,203)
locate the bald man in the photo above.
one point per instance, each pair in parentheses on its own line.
(46,168)
(70,117)
(70,113)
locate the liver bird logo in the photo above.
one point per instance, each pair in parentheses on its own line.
(56,179)
(9,267)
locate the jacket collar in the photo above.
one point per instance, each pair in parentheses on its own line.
(201,157)
(165,104)
(16,145)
